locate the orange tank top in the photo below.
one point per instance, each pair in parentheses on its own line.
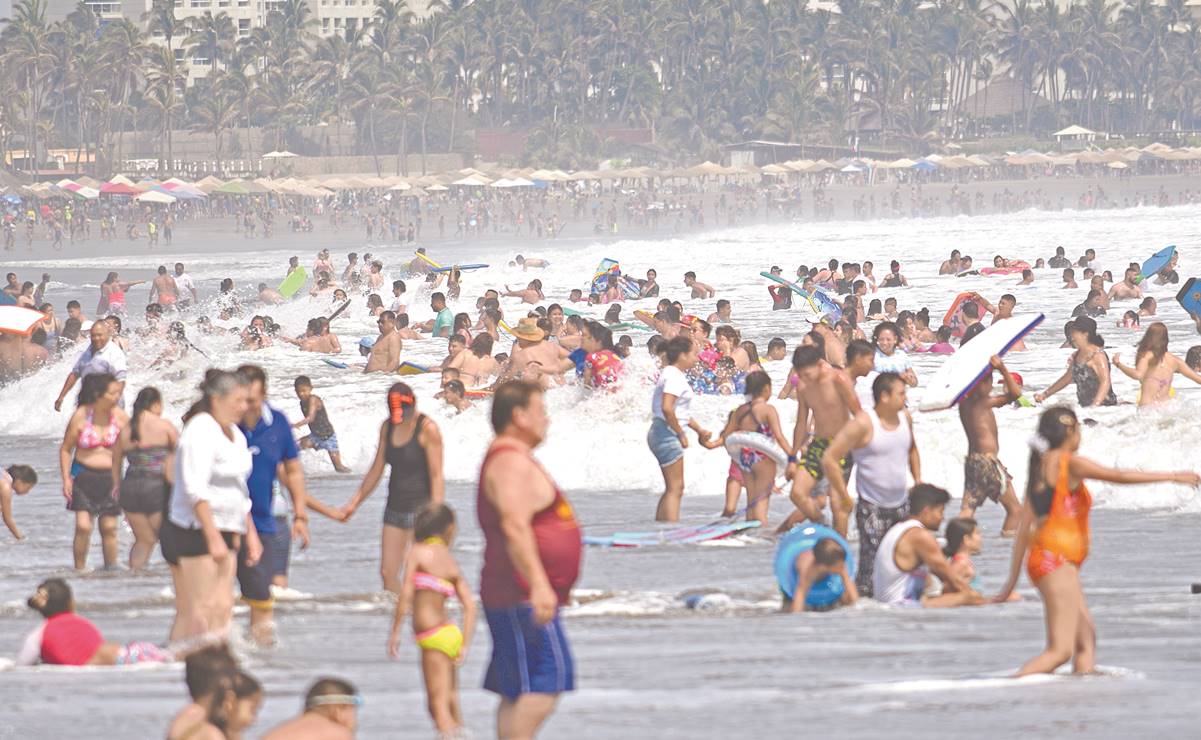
(1065,530)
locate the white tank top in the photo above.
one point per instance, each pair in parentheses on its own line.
(881,466)
(890,584)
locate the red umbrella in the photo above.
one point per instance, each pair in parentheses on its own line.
(19,320)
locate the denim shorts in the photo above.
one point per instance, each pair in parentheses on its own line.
(327,444)
(664,443)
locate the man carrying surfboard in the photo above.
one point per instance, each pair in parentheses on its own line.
(984,477)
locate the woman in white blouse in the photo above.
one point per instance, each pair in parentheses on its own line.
(209,509)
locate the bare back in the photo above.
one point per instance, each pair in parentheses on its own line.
(828,406)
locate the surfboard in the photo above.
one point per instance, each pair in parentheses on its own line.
(335,363)
(960,372)
(572,312)
(421,256)
(1189,297)
(411,368)
(477,393)
(677,536)
(813,305)
(293,282)
(341,308)
(954,319)
(465,268)
(1155,263)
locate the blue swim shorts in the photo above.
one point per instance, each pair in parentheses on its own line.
(527,657)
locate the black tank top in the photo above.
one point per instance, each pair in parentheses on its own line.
(409,481)
(320,426)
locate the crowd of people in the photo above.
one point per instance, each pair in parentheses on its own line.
(218,515)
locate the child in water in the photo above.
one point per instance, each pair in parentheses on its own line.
(453,394)
(431,576)
(963,541)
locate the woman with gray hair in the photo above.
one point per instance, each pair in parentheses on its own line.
(209,510)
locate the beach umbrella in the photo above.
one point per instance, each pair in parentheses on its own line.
(19,320)
(436,188)
(233,187)
(1117,165)
(284,154)
(924,166)
(154,196)
(401,186)
(119,188)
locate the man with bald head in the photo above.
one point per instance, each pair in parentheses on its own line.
(102,356)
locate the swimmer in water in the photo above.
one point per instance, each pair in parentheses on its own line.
(531,293)
(528,262)
(15,480)
(1127,289)
(431,577)
(453,393)
(722,314)
(384,356)
(1154,367)
(699,289)
(952,265)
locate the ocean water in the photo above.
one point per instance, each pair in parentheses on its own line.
(648,664)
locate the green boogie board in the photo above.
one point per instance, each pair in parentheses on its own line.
(293,282)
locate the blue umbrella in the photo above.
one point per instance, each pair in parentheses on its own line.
(924,166)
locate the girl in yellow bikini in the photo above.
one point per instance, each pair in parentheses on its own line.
(431,576)
(1054,530)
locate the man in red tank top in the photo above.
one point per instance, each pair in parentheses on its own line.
(532,550)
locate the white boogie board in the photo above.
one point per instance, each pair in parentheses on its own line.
(962,370)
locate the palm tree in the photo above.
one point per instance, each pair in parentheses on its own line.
(162,98)
(28,56)
(211,37)
(217,112)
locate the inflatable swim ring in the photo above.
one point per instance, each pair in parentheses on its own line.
(802,538)
(758,442)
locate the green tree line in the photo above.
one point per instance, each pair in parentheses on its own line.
(699,72)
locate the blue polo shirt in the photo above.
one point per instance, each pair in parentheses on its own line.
(270,443)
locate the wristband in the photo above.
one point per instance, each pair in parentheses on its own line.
(793,460)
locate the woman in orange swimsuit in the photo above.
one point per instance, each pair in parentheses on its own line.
(1054,531)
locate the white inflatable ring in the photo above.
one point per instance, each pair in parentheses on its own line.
(758,442)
